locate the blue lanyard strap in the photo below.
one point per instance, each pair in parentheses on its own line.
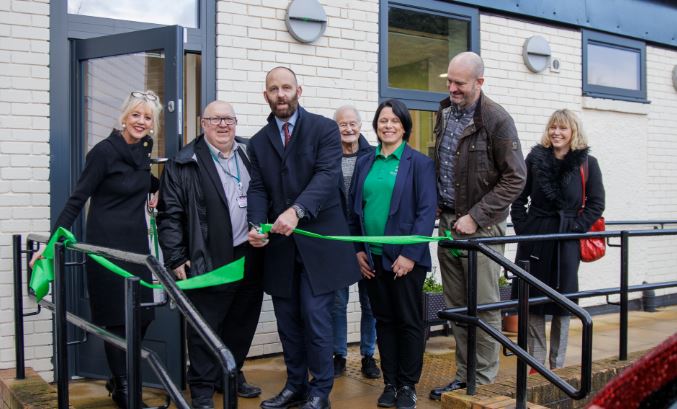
(237,165)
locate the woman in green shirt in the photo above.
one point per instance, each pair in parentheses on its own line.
(394,194)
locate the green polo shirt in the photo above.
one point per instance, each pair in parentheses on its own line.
(377,192)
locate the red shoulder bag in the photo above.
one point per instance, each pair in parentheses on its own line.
(592,249)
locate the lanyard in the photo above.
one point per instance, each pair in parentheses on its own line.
(237,166)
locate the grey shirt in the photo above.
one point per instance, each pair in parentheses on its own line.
(230,169)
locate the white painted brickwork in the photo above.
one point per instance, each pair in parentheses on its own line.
(24,163)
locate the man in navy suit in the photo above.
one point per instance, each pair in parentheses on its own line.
(296,171)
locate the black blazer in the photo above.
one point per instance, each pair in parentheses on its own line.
(307,172)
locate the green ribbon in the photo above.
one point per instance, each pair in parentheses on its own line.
(43,269)
(398,240)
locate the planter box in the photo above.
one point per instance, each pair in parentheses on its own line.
(432,303)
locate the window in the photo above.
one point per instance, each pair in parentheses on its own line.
(181,12)
(613,67)
(417,42)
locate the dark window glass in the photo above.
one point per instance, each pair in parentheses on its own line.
(420,46)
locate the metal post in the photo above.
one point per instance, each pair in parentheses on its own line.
(60,325)
(133,335)
(623,336)
(18,310)
(522,331)
(472,329)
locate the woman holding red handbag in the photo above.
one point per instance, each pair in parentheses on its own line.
(564,194)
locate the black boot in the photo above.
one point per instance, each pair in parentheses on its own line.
(117,390)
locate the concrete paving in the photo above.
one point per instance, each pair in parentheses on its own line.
(352,391)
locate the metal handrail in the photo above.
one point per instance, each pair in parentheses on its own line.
(469,314)
(222,353)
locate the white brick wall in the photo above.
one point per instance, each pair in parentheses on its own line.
(24,163)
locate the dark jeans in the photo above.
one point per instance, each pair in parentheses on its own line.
(397,307)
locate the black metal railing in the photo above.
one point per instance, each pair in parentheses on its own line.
(469,315)
(132,342)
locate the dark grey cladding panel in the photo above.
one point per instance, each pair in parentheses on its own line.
(649,20)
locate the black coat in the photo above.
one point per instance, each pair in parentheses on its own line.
(307,172)
(190,186)
(551,203)
(117,179)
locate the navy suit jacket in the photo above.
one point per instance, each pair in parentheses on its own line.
(308,173)
(412,206)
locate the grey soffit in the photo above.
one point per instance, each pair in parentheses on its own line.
(306,20)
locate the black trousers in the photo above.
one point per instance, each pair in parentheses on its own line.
(116,357)
(397,307)
(233,314)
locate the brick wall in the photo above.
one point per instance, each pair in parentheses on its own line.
(661,167)
(24,162)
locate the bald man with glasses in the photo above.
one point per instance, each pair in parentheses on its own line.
(202,223)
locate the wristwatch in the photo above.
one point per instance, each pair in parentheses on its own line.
(300,211)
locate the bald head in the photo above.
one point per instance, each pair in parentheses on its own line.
(468,61)
(219,123)
(465,77)
(217,106)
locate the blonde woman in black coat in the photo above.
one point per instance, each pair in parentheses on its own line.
(116,180)
(552,203)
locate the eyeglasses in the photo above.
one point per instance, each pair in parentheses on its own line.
(147,95)
(216,120)
(345,125)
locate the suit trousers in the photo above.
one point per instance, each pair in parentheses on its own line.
(397,307)
(559,335)
(304,325)
(233,314)
(454,281)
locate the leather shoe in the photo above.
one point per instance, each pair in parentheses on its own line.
(283,400)
(315,402)
(246,390)
(436,394)
(202,403)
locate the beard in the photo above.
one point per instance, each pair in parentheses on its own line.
(284,112)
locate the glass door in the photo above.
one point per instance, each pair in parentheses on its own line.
(104,71)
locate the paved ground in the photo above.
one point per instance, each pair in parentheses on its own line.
(352,391)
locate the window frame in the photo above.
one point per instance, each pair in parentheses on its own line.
(416,99)
(622,43)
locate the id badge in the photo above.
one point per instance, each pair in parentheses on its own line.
(242,201)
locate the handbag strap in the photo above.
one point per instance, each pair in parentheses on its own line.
(583,173)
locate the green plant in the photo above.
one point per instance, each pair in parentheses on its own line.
(431,285)
(503,282)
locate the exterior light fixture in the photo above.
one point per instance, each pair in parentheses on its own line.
(306,20)
(536,53)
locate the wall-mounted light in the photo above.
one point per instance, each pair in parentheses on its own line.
(305,20)
(536,53)
(674,77)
